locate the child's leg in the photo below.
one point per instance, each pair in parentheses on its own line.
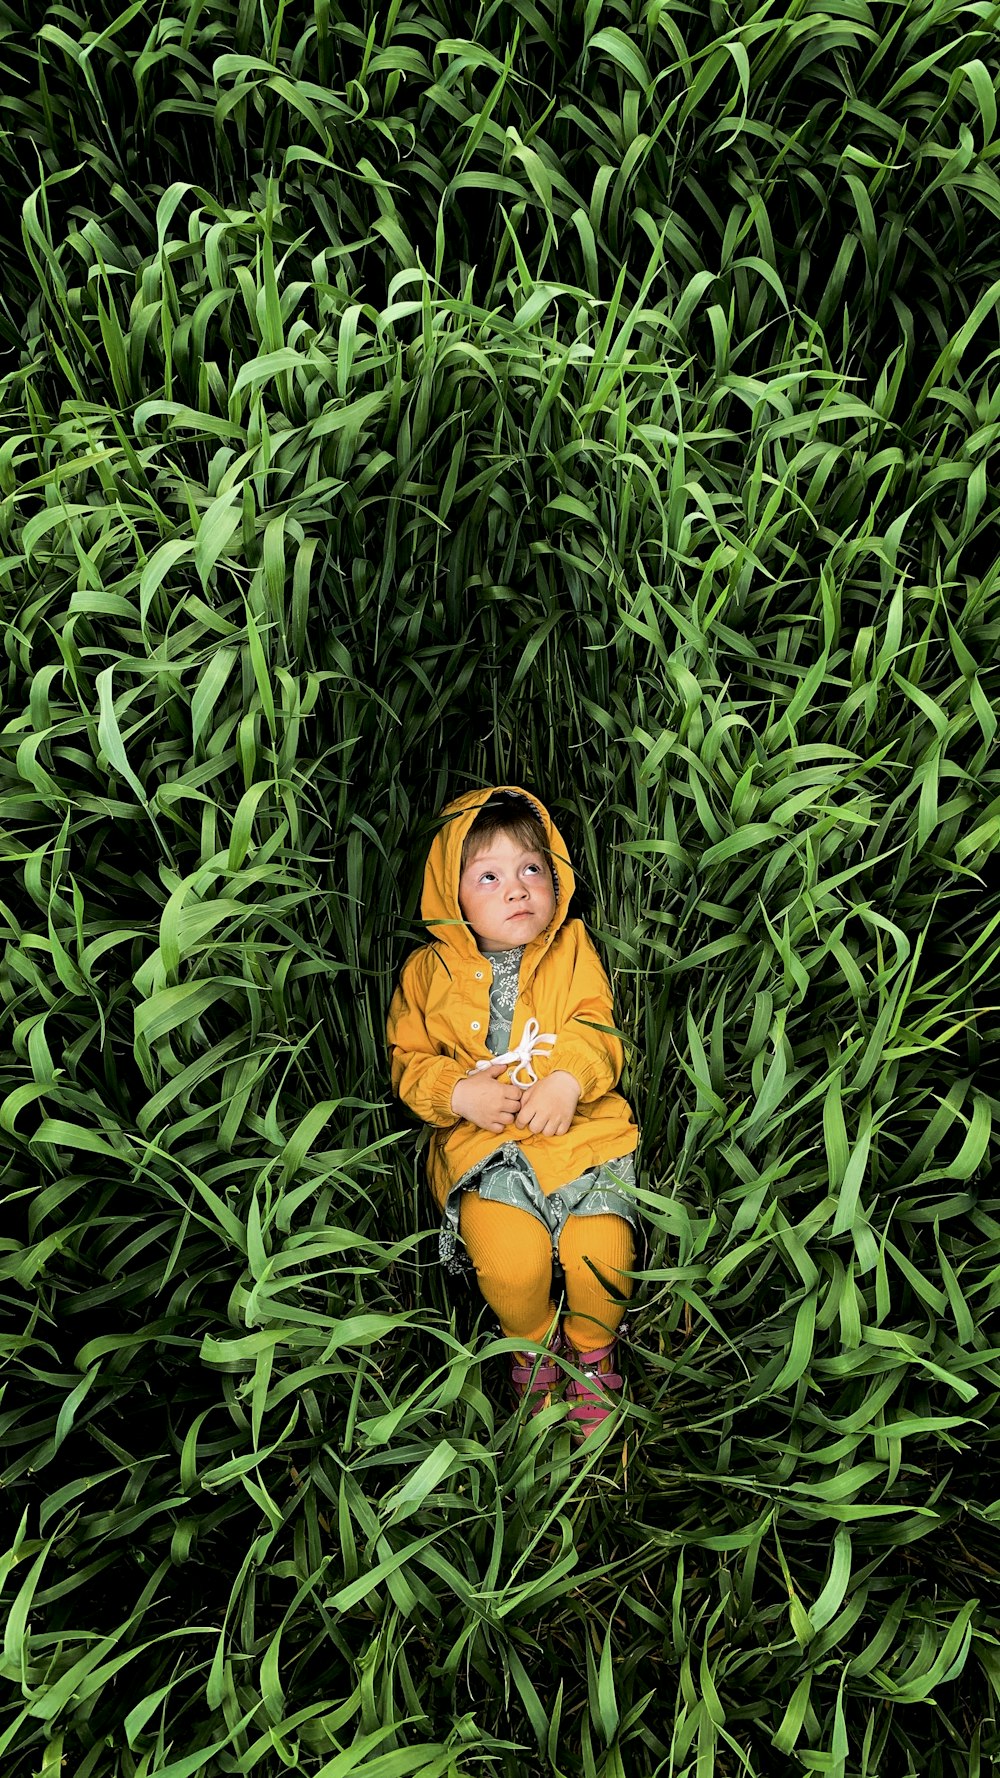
(512,1254)
(594,1317)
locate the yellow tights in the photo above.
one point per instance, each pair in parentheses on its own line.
(512,1254)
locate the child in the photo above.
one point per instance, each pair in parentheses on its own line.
(529,1141)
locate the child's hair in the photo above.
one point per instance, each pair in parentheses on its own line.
(510,815)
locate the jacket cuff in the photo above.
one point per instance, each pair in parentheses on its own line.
(575,1060)
(446,1081)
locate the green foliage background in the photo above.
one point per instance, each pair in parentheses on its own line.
(595,397)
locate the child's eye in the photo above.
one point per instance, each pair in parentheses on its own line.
(535,867)
(488,876)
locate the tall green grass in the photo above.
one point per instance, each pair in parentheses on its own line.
(599,398)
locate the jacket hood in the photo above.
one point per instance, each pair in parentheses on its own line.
(439,907)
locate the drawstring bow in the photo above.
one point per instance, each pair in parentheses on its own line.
(532,1037)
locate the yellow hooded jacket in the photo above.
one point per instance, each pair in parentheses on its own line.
(440,1014)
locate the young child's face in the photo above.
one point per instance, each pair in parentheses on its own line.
(506,894)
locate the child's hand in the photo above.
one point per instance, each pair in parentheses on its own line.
(548,1107)
(485,1100)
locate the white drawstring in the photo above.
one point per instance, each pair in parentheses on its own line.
(531,1038)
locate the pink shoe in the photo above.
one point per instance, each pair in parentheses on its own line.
(591,1404)
(537,1376)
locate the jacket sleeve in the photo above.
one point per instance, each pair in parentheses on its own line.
(594,1058)
(422,1076)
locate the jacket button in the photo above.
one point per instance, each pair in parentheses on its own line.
(475,1024)
(479,975)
